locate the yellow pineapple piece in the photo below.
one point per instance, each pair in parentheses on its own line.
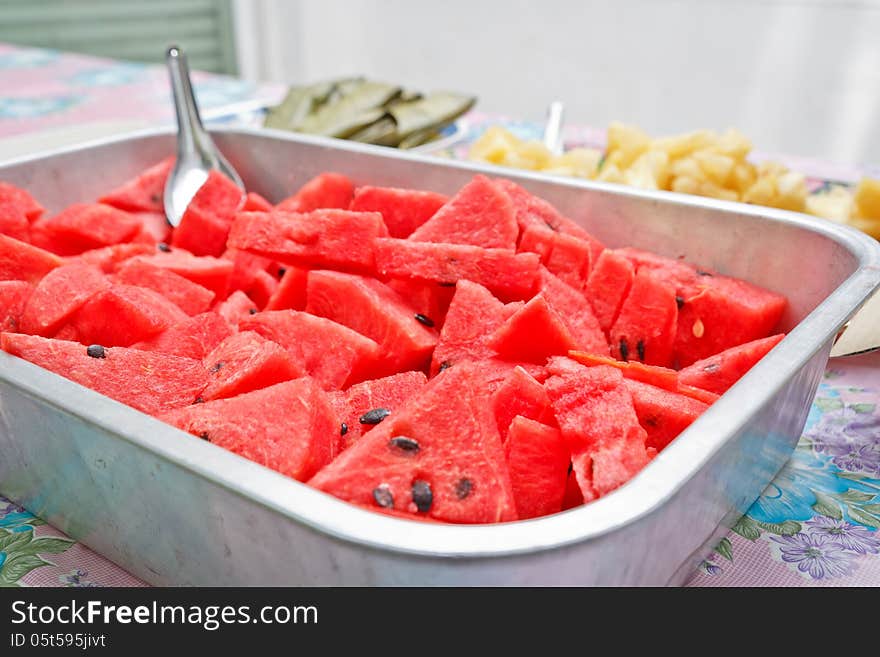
(583,162)
(685,185)
(835,204)
(867,199)
(733,144)
(625,144)
(869,226)
(717,167)
(791,191)
(681,145)
(744,176)
(649,171)
(529,155)
(610,173)
(761,192)
(713,190)
(493,145)
(687,167)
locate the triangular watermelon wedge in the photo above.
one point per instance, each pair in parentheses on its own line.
(439,456)
(645,328)
(532,334)
(207,271)
(236,308)
(152,383)
(144,193)
(13,221)
(538,459)
(403,210)
(326,190)
(84,226)
(521,394)
(479,214)
(719,372)
(59,295)
(576,313)
(13,298)
(608,285)
(289,427)
(190,297)
(663,414)
(205,223)
(194,337)
(20,261)
(21,200)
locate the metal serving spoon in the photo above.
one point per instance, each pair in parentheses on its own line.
(196,153)
(553,127)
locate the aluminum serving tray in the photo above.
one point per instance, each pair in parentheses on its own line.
(176,510)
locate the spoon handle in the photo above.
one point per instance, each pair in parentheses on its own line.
(553,127)
(192,139)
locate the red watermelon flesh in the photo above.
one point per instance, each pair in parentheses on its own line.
(84,226)
(15,197)
(510,276)
(372,309)
(291,291)
(439,456)
(403,210)
(194,337)
(151,383)
(474,315)
(108,258)
(389,393)
(575,311)
(726,313)
(597,418)
(13,298)
(207,271)
(325,191)
(245,268)
(236,308)
(333,354)
(205,224)
(537,238)
(124,314)
(521,394)
(145,193)
(573,496)
(13,221)
(20,261)
(480,214)
(697,393)
(288,427)
(645,328)
(321,238)
(154,227)
(532,334)
(538,459)
(430,300)
(59,295)
(662,377)
(253,202)
(717,373)
(678,274)
(262,289)
(190,297)
(246,361)
(662,414)
(608,285)
(570,260)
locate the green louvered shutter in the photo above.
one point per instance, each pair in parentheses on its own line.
(139,30)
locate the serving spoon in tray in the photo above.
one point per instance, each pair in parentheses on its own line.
(197,154)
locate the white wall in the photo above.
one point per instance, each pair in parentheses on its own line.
(797,76)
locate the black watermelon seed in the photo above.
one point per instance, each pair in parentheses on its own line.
(640,348)
(217,367)
(204,436)
(446,284)
(199,400)
(343,429)
(163,247)
(252,311)
(679,301)
(712,367)
(96,351)
(155,198)
(570,467)
(382,495)
(281,272)
(404,444)
(700,272)
(652,421)
(375,416)
(624,349)
(422,495)
(551,226)
(445,365)
(463,488)
(424,319)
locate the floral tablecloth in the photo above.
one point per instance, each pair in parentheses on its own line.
(817,524)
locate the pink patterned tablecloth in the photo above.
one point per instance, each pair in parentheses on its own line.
(815,525)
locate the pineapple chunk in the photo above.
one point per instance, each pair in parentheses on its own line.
(835,204)
(625,144)
(717,167)
(583,162)
(685,185)
(867,199)
(649,171)
(681,145)
(493,145)
(610,173)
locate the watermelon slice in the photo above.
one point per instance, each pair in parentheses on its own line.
(719,372)
(679,275)
(429,300)
(364,405)
(190,297)
(145,193)
(480,214)
(207,271)
(246,266)
(532,334)
(327,190)
(663,414)
(521,394)
(573,496)
(253,202)
(439,456)
(13,299)
(537,239)
(109,258)
(288,427)
(575,312)
(151,383)
(474,315)
(194,337)
(538,459)
(510,276)
(246,361)
(124,314)
(570,260)
(84,226)
(645,328)
(321,238)
(19,261)
(403,210)
(236,308)
(595,412)
(204,227)
(13,221)
(291,291)
(20,199)
(333,354)
(154,228)
(262,289)
(59,295)
(376,311)
(608,285)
